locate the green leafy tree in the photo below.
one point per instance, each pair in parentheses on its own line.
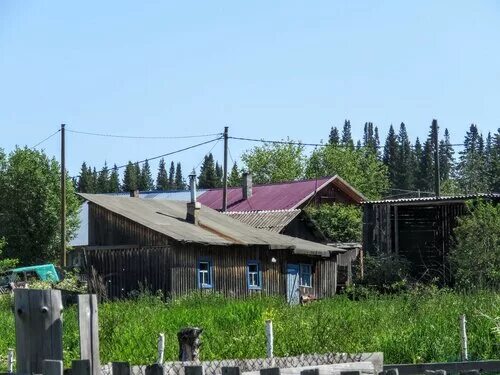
(334,138)
(339,222)
(234,178)
(391,156)
(360,167)
(171,176)
(476,256)
(130,178)
(103,180)
(179,180)
(146,182)
(114,180)
(273,162)
(162,182)
(208,175)
(30,206)
(6,263)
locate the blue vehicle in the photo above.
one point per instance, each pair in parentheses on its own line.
(19,277)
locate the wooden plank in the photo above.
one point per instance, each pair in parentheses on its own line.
(194,370)
(270,371)
(231,371)
(52,367)
(80,367)
(450,367)
(120,368)
(155,369)
(332,369)
(89,330)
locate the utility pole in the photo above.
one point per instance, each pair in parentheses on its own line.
(437,171)
(224,190)
(63,197)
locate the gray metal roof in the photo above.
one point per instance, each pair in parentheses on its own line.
(436,199)
(169,218)
(274,220)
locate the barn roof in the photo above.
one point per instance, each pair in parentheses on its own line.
(273,221)
(169,218)
(277,196)
(493,196)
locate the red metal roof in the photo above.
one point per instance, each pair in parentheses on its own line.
(279,196)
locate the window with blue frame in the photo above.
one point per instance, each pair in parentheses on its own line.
(305,277)
(254,276)
(205,274)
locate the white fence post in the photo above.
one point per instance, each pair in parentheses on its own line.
(161,348)
(463,338)
(270,338)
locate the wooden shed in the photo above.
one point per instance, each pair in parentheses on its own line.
(418,229)
(177,248)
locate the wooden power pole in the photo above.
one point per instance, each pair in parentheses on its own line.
(437,170)
(224,190)
(63,197)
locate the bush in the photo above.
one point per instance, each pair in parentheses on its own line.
(339,222)
(475,257)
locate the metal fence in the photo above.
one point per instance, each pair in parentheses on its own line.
(248,365)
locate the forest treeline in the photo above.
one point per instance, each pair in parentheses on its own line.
(396,167)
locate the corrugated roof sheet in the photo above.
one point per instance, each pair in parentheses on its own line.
(436,199)
(168,217)
(278,196)
(273,221)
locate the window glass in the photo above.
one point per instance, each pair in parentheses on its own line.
(204,274)
(254,276)
(305,275)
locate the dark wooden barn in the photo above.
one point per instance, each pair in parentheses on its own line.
(177,248)
(418,229)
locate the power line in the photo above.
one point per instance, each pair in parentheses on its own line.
(142,136)
(46,139)
(167,154)
(201,162)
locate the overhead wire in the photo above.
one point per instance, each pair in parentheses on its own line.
(46,139)
(142,136)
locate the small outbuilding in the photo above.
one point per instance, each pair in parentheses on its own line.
(179,247)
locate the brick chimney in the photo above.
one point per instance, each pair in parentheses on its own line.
(193,207)
(134,193)
(246,185)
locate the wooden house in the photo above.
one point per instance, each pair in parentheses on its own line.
(179,247)
(418,229)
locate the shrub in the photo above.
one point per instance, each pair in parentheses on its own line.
(475,257)
(339,222)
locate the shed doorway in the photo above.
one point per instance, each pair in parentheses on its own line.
(292,284)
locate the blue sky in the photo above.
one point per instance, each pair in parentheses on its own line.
(266,69)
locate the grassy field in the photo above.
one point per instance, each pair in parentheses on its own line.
(408,328)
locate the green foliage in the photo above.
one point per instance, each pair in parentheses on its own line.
(476,255)
(234,178)
(30,206)
(208,177)
(179,180)
(145,181)
(6,263)
(384,272)
(411,327)
(340,223)
(359,167)
(130,177)
(162,182)
(273,162)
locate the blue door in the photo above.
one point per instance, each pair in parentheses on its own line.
(292,284)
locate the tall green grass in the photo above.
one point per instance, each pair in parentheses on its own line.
(408,328)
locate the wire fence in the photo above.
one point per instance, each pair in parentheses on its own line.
(249,365)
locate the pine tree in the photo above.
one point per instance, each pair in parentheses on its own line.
(171,177)
(390,157)
(446,159)
(219,174)
(234,178)
(84,179)
(208,175)
(334,138)
(114,181)
(346,134)
(103,180)
(405,165)
(145,178)
(369,140)
(419,175)
(179,181)
(376,139)
(495,163)
(130,180)
(472,165)
(93,184)
(162,178)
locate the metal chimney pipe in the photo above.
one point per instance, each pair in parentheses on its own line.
(192,186)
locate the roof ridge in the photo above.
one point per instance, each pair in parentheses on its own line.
(262,211)
(279,183)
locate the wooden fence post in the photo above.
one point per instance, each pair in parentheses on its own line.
(81,367)
(231,371)
(463,338)
(270,338)
(52,367)
(270,371)
(10,361)
(38,328)
(88,325)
